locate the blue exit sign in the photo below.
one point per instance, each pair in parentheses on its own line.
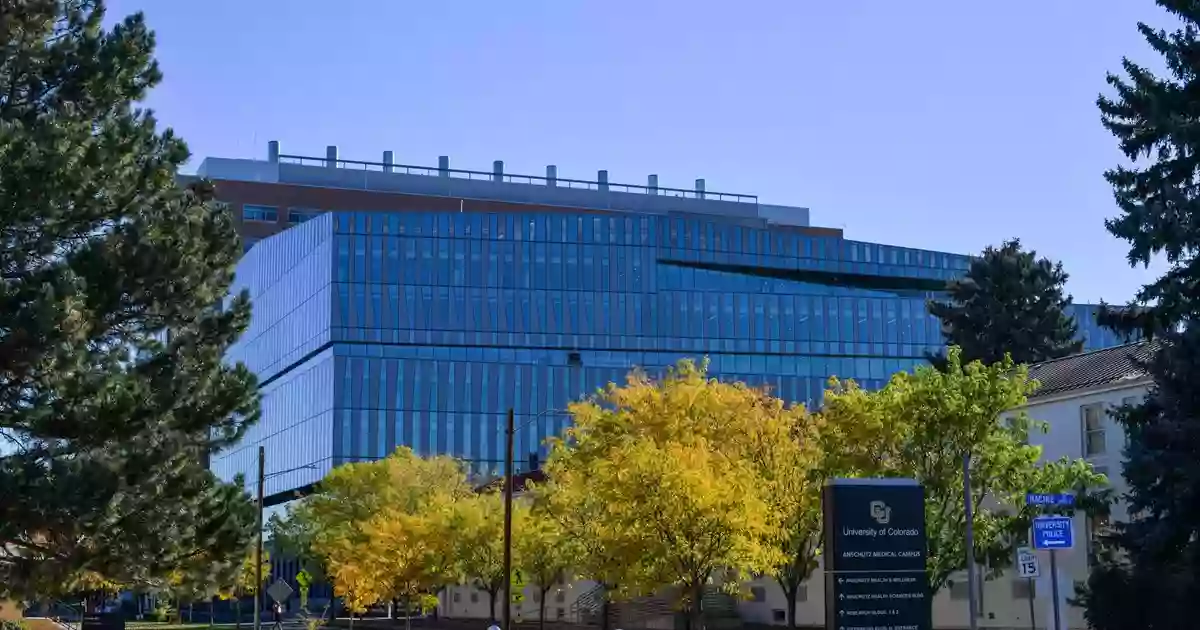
(1050,500)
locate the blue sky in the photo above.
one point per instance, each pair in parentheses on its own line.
(939,124)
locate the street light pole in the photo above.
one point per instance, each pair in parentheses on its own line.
(258,543)
(508,496)
(972,595)
(510,433)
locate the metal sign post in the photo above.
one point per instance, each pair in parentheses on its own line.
(1054,588)
(1053,533)
(1029,568)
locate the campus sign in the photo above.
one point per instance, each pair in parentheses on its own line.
(875,555)
(1053,532)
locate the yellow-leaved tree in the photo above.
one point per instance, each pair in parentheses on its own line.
(799,467)
(478,528)
(367,516)
(411,550)
(547,556)
(675,481)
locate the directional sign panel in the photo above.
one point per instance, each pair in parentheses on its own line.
(875,555)
(1050,500)
(1053,532)
(1027,563)
(879,600)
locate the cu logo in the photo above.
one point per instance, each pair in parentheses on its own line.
(881,512)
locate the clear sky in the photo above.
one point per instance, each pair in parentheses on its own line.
(941,124)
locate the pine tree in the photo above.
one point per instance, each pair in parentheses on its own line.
(112,385)
(1148,576)
(1009,301)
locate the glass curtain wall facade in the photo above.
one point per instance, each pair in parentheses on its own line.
(373,330)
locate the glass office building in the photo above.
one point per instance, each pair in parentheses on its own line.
(421,328)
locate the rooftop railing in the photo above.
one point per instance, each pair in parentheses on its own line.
(536,180)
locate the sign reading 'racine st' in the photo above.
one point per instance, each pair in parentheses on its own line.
(875,555)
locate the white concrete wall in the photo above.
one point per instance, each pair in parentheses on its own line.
(467,602)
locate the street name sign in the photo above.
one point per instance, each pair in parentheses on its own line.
(1050,500)
(875,555)
(1053,532)
(1027,563)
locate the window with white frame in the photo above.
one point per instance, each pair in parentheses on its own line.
(1092,419)
(263,214)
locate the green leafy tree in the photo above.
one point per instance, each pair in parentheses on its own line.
(1009,302)
(1149,573)
(112,385)
(547,556)
(291,535)
(246,582)
(920,425)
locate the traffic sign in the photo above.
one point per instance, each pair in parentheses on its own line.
(1053,532)
(1050,500)
(279,591)
(1027,563)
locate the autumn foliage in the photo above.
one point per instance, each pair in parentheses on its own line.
(681,483)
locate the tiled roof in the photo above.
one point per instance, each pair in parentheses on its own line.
(1091,369)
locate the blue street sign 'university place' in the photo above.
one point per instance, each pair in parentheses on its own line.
(1050,500)
(1053,532)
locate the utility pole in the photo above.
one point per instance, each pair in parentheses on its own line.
(972,593)
(508,498)
(258,543)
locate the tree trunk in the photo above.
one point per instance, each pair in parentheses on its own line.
(212,612)
(190,618)
(542,610)
(604,609)
(492,603)
(237,612)
(697,612)
(407,614)
(791,588)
